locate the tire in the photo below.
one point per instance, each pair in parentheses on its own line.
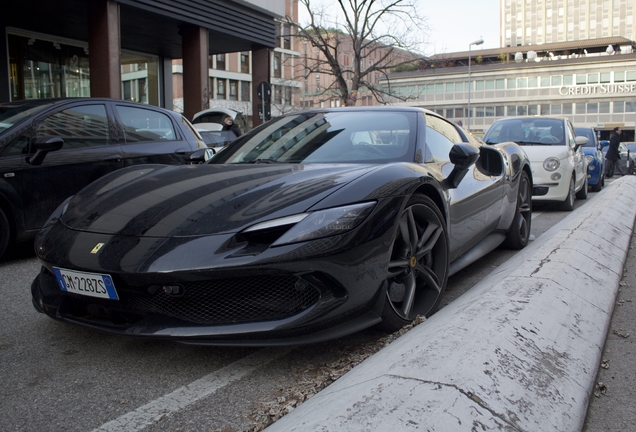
(582,194)
(568,204)
(418,266)
(5,233)
(599,185)
(519,231)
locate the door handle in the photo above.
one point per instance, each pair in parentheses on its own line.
(113,158)
(180,151)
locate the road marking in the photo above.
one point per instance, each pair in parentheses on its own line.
(182,397)
(536,214)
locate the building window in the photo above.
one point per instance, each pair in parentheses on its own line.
(556,80)
(619,76)
(581,79)
(288,95)
(604,107)
(567,80)
(555,109)
(533,109)
(511,110)
(490,111)
(631,76)
(439,88)
(450,113)
(233,90)
(278,97)
(567,109)
(592,108)
(533,82)
(545,81)
(245,62)
(479,111)
(220,62)
(450,87)
(220,89)
(630,106)
(619,107)
(499,111)
(277,65)
(580,108)
(545,109)
(512,83)
(460,87)
(245,91)
(459,112)
(592,78)
(522,82)
(522,110)
(605,77)
(500,84)
(286,36)
(479,85)
(490,84)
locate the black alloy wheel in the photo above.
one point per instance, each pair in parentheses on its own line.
(418,267)
(519,232)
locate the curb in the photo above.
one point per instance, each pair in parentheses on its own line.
(518,351)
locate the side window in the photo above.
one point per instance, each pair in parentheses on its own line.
(440,138)
(16,147)
(142,125)
(81,126)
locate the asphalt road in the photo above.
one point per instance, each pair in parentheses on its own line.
(58,377)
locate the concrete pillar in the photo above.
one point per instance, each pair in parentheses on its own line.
(260,73)
(196,94)
(104,48)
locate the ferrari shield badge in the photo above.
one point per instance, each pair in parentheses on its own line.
(97,247)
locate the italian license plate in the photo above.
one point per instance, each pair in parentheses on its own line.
(88,284)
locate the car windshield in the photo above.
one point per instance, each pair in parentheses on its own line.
(587,133)
(13,113)
(527,131)
(345,136)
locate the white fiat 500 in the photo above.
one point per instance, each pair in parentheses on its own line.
(559,168)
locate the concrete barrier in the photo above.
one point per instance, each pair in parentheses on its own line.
(518,351)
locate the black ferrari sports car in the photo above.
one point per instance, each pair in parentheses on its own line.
(312,226)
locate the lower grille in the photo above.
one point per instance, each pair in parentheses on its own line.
(211,302)
(238,300)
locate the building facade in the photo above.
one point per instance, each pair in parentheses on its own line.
(592,82)
(124,48)
(230,74)
(535,22)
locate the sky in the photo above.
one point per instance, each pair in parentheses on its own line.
(454,24)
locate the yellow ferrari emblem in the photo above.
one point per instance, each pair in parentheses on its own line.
(413,261)
(97,247)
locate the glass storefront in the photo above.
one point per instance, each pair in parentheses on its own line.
(41,68)
(46,67)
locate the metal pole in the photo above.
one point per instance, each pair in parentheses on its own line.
(469,86)
(477,42)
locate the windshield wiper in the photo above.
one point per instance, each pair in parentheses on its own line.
(263,161)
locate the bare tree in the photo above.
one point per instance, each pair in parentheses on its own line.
(358,43)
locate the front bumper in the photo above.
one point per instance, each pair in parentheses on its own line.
(546,188)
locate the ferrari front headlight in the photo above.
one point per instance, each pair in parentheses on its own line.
(318,224)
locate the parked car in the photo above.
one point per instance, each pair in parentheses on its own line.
(631,149)
(51,148)
(212,119)
(216,139)
(625,165)
(594,157)
(310,227)
(559,168)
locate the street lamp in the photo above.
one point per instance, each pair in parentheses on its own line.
(477,42)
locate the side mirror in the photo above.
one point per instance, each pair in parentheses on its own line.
(462,156)
(580,141)
(201,156)
(42,146)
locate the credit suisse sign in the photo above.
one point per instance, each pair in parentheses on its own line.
(598,89)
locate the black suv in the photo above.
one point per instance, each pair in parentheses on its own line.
(51,148)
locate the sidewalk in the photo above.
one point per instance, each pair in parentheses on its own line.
(519,351)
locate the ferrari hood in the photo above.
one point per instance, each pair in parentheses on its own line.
(196,200)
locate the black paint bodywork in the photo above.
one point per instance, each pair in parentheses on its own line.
(184,227)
